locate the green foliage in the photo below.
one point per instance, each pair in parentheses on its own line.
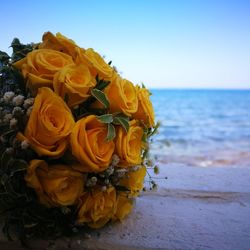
(66,98)
(4,58)
(101,97)
(107,118)
(114,119)
(101,83)
(10,78)
(20,50)
(122,120)
(111,132)
(152,131)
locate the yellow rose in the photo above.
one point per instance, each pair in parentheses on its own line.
(145,110)
(49,124)
(123,207)
(122,96)
(40,66)
(59,43)
(97,208)
(55,185)
(129,144)
(75,81)
(134,181)
(89,145)
(96,64)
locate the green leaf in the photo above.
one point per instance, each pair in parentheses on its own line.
(97,78)
(108,118)
(123,121)
(155,129)
(101,83)
(6,230)
(145,154)
(4,179)
(16,43)
(5,160)
(66,98)
(111,132)
(20,165)
(101,97)
(4,57)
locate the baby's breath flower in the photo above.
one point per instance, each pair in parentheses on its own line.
(7,118)
(18,100)
(8,96)
(65,210)
(156,169)
(28,112)
(115,160)
(28,102)
(13,122)
(110,170)
(9,150)
(120,173)
(134,168)
(94,179)
(25,144)
(17,112)
(91,182)
(104,188)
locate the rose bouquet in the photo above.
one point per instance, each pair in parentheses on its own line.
(74,138)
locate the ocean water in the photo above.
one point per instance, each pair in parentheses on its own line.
(205,128)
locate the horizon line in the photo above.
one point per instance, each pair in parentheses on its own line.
(197,88)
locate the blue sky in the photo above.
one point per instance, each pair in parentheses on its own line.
(171,44)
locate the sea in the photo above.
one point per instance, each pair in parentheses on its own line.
(203,128)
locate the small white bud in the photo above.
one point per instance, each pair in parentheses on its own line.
(115,160)
(25,144)
(7,118)
(110,170)
(86,236)
(93,180)
(17,111)
(104,188)
(135,168)
(18,100)
(29,111)
(8,96)
(13,122)
(28,102)
(9,150)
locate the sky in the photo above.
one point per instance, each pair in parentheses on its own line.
(162,43)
